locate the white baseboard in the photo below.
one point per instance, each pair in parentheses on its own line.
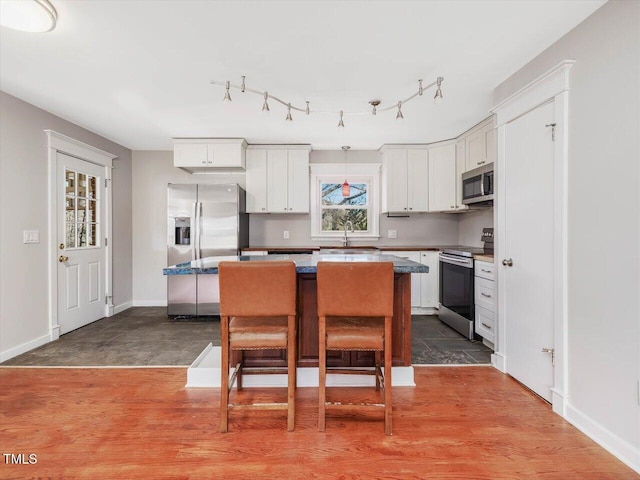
(25,347)
(149,303)
(499,361)
(205,372)
(622,449)
(122,307)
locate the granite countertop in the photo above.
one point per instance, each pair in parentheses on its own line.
(387,248)
(305,263)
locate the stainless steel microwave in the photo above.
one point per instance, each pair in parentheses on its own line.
(477,185)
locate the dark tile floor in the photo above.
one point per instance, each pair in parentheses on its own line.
(144,336)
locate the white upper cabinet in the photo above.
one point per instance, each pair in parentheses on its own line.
(442,178)
(480,145)
(202,154)
(256,185)
(278,179)
(405,179)
(461,167)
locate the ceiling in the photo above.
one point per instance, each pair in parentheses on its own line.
(139,72)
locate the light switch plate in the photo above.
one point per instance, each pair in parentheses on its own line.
(392,234)
(30,236)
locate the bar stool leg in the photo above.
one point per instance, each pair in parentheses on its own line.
(378,365)
(322,372)
(291,373)
(224,375)
(387,376)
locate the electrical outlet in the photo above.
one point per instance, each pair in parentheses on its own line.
(392,234)
(286,234)
(30,236)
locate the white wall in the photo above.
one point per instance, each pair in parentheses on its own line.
(471,225)
(151,172)
(24,321)
(603,223)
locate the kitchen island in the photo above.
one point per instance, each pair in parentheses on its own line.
(306,266)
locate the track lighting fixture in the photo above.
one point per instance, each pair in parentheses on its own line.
(439,90)
(374,103)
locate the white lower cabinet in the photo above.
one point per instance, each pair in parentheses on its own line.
(485,300)
(430,286)
(424,286)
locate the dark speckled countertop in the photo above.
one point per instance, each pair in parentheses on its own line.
(305,263)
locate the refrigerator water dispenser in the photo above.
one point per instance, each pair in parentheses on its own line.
(183,231)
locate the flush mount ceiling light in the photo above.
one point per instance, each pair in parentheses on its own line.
(340,113)
(28,15)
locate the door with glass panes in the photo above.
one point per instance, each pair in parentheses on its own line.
(81,249)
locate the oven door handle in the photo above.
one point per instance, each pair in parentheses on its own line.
(457,261)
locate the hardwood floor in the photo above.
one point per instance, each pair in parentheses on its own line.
(459,422)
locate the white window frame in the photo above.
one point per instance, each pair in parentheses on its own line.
(335,173)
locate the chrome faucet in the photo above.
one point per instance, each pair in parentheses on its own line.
(347,225)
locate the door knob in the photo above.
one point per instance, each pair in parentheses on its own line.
(61,246)
(63,258)
(507,262)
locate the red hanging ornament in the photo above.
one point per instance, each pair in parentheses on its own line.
(346,189)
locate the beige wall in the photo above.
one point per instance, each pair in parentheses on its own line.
(603,223)
(23,206)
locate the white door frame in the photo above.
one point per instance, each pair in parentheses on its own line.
(58,143)
(551,86)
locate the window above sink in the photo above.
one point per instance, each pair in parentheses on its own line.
(330,211)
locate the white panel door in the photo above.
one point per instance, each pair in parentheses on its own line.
(256,177)
(418,180)
(528,243)
(81,249)
(298,195)
(442,178)
(277,181)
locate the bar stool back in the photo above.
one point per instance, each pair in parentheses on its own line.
(257,312)
(355,312)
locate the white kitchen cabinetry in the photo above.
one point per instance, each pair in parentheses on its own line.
(430,282)
(480,145)
(461,166)
(485,300)
(424,286)
(202,154)
(442,178)
(277,179)
(405,179)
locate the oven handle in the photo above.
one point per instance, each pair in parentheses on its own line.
(456,261)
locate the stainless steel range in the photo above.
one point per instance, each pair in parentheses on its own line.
(456,285)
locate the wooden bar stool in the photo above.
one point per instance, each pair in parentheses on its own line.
(355,311)
(257,312)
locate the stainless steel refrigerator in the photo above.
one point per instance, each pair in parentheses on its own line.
(203,221)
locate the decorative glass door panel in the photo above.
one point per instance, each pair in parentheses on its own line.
(82,222)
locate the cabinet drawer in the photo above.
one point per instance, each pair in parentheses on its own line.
(485,270)
(485,323)
(485,293)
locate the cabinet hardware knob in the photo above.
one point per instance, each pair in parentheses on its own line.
(263,208)
(204,162)
(507,262)
(485,294)
(485,325)
(63,258)
(452,206)
(485,270)
(61,246)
